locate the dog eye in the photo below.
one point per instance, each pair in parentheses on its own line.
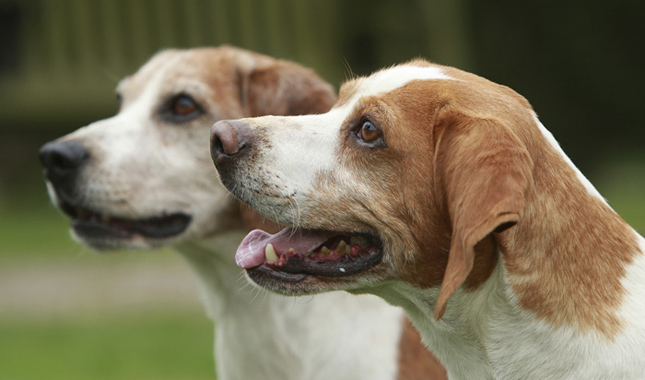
(181,108)
(369,133)
(184,105)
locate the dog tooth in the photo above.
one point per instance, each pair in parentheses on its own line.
(325,251)
(269,254)
(341,249)
(291,249)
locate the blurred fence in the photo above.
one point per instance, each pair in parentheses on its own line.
(66,55)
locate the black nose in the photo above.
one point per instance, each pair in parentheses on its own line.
(62,160)
(229,140)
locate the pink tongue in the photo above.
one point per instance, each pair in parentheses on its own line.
(250,253)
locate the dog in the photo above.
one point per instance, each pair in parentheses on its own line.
(144,179)
(442,192)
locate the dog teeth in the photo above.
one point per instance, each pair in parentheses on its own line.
(343,248)
(325,251)
(270,255)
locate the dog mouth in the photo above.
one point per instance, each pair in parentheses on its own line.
(97,226)
(292,255)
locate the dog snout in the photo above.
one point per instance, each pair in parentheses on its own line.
(62,161)
(229,140)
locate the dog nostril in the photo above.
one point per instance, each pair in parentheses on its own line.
(62,159)
(218,147)
(229,138)
(62,162)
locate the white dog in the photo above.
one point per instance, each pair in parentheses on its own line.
(144,179)
(441,191)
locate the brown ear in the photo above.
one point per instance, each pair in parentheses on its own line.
(285,88)
(486,172)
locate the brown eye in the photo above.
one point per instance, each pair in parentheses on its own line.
(369,133)
(181,108)
(184,105)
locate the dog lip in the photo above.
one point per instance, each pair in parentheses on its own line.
(279,275)
(93,225)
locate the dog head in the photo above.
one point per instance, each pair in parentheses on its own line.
(143,178)
(410,177)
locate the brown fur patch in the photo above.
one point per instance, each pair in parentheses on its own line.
(568,254)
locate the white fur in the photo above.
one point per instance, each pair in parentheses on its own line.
(314,147)
(142,167)
(390,79)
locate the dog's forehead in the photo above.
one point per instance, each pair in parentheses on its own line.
(388,80)
(157,67)
(177,68)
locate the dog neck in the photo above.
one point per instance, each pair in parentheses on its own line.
(221,280)
(260,335)
(246,326)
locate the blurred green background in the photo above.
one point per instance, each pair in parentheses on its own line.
(66,313)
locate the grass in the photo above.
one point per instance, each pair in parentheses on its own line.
(153,344)
(144,347)
(32,228)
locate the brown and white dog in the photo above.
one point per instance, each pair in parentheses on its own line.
(144,179)
(442,192)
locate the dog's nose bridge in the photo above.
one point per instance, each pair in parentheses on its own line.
(229,138)
(62,160)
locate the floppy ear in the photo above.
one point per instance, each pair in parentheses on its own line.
(285,88)
(486,172)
